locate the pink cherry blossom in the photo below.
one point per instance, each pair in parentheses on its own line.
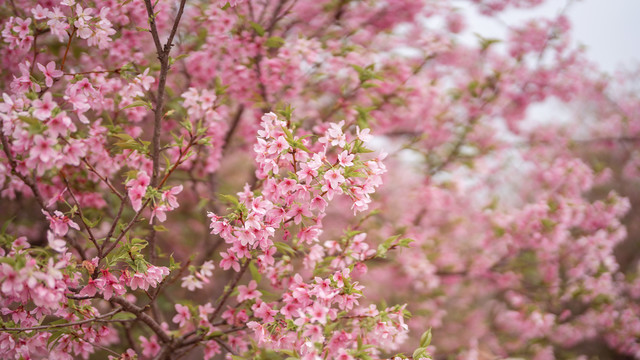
(50,73)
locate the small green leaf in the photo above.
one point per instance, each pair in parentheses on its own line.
(138,103)
(284,247)
(229,199)
(254,272)
(425,339)
(274,42)
(420,352)
(257,28)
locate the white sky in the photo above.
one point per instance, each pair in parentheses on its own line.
(609,29)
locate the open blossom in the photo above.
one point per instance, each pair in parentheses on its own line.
(60,223)
(150,347)
(248,292)
(229,261)
(22,27)
(170,196)
(137,190)
(50,72)
(44,107)
(335,178)
(55,242)
(158,212)
(191,283)
(183,315)
(334,135)
(43,149)
(207,268)
(345,159)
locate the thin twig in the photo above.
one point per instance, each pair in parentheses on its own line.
(73,323)
(30,183)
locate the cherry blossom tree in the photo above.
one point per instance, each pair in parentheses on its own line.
(332,179)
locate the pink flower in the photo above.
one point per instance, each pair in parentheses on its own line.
(55,243)
(264,311)
(248,292)
(306,173)
(158,212)
(170,196)
(318,313)
(183,315)
(191,283)
(139,280)
(138,189)
(150,348)
(335,178)
(22,27)
(229,260)
(141,180)
(207,268)
(211,349)
(363,135)
(60,223)
(44,107)
(39,13)
(345,159)
(145,80)
(43,149)
(136,194)
(60,125)
(50,73)
(297,212)
(318,203)
(278,146)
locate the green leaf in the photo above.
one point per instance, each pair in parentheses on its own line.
(138,103)
(229,199)
(254,272)
(173,265)
(90,223)
(420,352)
(6,225)
(286,112)
(288,133)
(274,42)
(123,316)
(257,28)
(300,145)
(284,247)
(160,228)
(425,339)
(548,224)
(405,242)
(485,43)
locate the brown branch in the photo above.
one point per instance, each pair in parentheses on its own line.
(66,51)
(91,236)
(73,323)
(163,57)
(234,126)
(103,179)
(218,307)
(227,293)
(29,182)
(144,317)
(181,159)
(225,346)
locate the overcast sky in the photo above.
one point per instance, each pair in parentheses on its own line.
(609,28)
